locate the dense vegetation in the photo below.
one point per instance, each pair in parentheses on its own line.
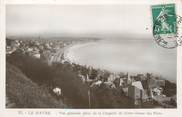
(23,93)
(44,75)
(65,76)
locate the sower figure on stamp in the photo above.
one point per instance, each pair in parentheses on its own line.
(162,18)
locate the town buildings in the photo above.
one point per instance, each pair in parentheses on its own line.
(139,88)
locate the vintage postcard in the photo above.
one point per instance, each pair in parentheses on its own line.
(98,59)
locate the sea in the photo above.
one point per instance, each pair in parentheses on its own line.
(126,55)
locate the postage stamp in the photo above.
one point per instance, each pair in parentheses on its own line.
(165,25)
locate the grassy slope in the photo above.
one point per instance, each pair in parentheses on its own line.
(25,93)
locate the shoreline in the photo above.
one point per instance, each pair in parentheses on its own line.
(70,58)
(63,52)
(67,50)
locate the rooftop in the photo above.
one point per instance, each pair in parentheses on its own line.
(137,84)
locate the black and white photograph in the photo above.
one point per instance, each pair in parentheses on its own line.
(88,57)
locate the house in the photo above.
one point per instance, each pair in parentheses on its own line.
(29,49)
(110,84)
(10,50)
(15,44)
(88,79)
(137,93)
(137,84)
(111,77)
(97,83)
(135,90)
(141,77)
(153,83)
(129,80)
(119,82)
(157,91)
(36,55)
(161,82)
(47,46)
(125,90)
(137,78)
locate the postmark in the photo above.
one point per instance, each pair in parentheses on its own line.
(166,26)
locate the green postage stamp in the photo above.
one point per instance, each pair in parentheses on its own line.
(165,25)
(164,19)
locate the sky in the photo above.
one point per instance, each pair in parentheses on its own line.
(78,19)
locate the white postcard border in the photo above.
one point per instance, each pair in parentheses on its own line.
(93,112)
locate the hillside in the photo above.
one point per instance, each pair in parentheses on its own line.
(21,92)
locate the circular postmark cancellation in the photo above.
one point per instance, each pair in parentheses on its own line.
(166,26)
(168,40)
